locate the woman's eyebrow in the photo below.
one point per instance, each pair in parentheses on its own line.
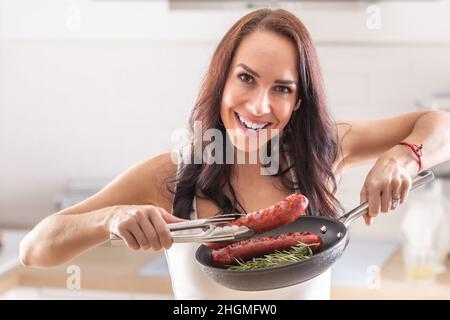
(249,70)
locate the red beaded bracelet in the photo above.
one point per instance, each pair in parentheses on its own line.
(417,151)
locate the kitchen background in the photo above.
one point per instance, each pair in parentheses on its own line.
(88,88)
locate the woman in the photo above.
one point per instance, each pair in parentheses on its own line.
(264,75)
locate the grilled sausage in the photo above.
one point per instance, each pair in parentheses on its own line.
(278,215)
(256,247)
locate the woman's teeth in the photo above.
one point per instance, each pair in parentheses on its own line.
(251,125)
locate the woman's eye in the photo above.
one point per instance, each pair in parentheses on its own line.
(284,89)
(249,79)
(245,77)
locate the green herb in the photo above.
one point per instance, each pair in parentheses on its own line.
(297,253)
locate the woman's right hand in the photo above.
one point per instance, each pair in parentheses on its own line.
(143,227)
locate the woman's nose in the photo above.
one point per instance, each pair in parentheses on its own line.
(260,106)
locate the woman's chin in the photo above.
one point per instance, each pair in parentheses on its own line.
(248,144)
(246,148)
(250,141)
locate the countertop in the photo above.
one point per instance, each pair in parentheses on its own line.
(395,285)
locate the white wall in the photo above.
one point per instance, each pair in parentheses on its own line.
(88,103)
(424,21)
(83,109)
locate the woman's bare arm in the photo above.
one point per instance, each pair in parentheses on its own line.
(66,234)
(364,141)
(389,180)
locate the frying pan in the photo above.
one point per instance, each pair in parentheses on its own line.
(335,236)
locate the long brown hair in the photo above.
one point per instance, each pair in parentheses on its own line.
(310,135)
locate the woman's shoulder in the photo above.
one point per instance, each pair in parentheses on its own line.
(157,172)
(166,161)
(140,184)
(146,181)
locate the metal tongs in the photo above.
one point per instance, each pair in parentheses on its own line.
(209,230)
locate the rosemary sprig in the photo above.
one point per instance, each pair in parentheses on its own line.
(297,253)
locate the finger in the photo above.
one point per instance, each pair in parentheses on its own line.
(374,194)
(368,219)
(137,232)
(386,197)
(396,191)
(170,218)
(129,240)
(162,230)
(406,185)
(149,232)
(363,199)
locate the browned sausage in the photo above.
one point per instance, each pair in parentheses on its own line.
(256,247)
(278,215)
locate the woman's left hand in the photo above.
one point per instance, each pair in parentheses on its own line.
(385,188)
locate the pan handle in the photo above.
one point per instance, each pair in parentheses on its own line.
(421,178)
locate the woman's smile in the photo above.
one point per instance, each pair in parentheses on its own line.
(243,122)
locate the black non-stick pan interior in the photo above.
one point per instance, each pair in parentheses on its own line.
(272,278)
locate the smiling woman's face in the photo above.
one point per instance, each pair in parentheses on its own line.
(261,88)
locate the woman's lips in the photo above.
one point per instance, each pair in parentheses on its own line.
(246,130)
